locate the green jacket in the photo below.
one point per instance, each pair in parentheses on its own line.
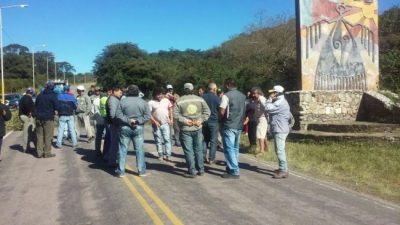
(191,107)
(84,104)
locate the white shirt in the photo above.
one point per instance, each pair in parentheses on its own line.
(160,110)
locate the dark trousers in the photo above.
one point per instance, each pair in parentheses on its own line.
(44,135)
(210,133)
(114,145)
(1,143)
(252,132)
(99,135)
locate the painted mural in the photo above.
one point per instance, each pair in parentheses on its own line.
(339,44)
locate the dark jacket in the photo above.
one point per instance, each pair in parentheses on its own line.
(111,109)
(235,112)
(46,103)
(3,118)
(26,106)
(132,107)
(66,104)
(213,102)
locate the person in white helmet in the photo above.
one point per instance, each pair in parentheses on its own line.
(82,114)
(279,112)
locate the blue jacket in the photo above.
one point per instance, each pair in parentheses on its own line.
(66,104)
(46,105)
(279,113)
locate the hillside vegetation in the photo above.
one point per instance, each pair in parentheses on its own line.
(263,55)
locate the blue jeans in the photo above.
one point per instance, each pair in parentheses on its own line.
(99,135)
(136,135)
(231,140)
(162,137)
(192,144)
(69,121)
(210,133)
(279,141)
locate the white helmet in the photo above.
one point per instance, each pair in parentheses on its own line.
(80,88)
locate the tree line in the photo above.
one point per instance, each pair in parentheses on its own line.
(18,68)
(263,55)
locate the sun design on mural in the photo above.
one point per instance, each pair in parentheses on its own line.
(343,34)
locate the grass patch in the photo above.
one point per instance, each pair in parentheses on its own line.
(371,168)
(15,123)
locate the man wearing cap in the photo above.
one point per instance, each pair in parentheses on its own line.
(26,114)
(82,114)
(232,113)
(132,114)
(190,112)
(46,105)
(67,105)
(279,112)
(173,98)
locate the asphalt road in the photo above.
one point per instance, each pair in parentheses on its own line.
(76,188)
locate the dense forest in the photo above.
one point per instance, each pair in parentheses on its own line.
(263,55)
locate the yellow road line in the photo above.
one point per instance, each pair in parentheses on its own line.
(168,212)
(143,202)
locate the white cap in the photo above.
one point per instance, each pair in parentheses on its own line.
(80,88)
(169,86)
(277,88)
(188,86)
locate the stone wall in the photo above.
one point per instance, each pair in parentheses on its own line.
(376,107)
(323,106)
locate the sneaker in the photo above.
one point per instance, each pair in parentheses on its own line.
(200,173)
(120,175)
(57,147)
(49,156)
(189,175)
(230,176)
(143,174)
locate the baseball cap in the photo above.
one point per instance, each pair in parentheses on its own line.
(169,86)
(80,88)
(97,89)
(188,86)
(29,90)
(277,88)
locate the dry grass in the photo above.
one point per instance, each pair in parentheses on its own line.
(371,168)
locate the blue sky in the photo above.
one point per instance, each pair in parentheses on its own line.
(77,31)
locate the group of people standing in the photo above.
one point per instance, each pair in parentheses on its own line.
(194,121)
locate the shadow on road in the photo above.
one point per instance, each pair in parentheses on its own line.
(17,147)
(246,166)
(89,155)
